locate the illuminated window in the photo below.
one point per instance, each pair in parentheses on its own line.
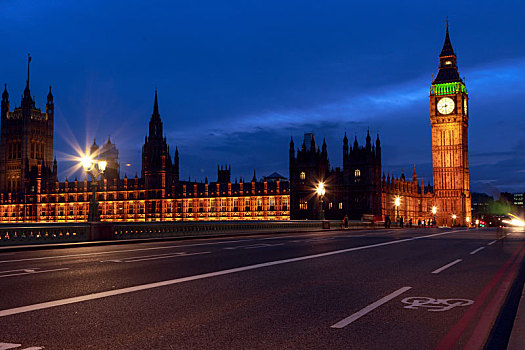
(302,175)
(340,205)
(330,205)
(272,203)
(448,63)
(357,173)
(303,206)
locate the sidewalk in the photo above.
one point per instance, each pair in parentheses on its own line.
(517,336)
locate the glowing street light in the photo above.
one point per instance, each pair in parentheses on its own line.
(95,169)
(321,190)
(397,203)
(454,218)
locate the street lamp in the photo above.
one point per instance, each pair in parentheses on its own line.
(321,192)
(397,203)
(95,169)
(454,219)
(434,211)
(467,219)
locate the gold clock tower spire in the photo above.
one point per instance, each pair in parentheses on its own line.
(449,120)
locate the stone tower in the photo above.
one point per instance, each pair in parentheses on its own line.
(449,120)
(26,144)
(158,170)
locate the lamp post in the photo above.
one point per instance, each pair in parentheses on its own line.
(321,192)
(454,220)
(397,203)
(467,219)
(95,169)
(434,211)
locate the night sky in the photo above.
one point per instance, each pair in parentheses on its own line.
(236,79)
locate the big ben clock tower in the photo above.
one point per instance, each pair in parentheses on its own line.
(449,121)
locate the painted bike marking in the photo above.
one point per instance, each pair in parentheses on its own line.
(432,304)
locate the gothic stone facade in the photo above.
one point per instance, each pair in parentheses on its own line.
(31,193)
(358,190)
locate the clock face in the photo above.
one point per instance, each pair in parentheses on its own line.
(465,106)
(445,105)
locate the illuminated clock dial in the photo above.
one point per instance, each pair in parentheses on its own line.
(465,106)
(445,105)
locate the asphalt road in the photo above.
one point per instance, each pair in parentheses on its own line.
(382,289)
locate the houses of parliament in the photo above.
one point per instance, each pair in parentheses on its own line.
(31,192)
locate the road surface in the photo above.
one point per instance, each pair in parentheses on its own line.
(377,289)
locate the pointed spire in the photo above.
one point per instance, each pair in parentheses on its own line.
(448,70)
(345,139)
(447,45)
(50,95)
(254,179)
(324,145)
(156,105)
(27,93)
(5,94)
(155,124)
(28,62)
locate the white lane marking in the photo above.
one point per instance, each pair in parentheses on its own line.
(345,322)
(150,248)
(253,246)
(491,243)
(6,346)
(153,257)
(32,272)
(8,271)
(99,295)
(476,250)
(33,348)
(167,256)
(442,268)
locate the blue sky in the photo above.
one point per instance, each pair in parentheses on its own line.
(236,79)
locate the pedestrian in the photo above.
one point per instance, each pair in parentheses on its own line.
(410,223)
(401,222)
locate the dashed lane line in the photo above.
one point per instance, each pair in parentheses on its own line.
(476,250)
(31,272)
(7,346)
(494,241)
(165,247)
(82,298)
(443,268)
(345,322)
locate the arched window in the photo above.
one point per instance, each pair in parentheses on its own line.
(357,173)
(302,176)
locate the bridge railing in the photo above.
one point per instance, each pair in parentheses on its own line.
(43,233)
(18,234)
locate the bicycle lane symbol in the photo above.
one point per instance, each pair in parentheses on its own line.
(432,304)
